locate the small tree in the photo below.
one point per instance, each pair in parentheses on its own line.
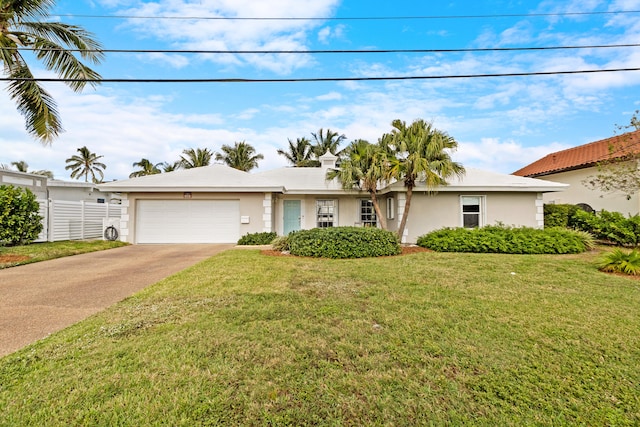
(362,168)
(20,222)
(620,171)
(419,153)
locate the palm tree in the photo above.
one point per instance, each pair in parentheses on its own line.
(327,141)
(195,158)
(146,168)
(299,153)
(363,168)
(43,172)
(52,44)
(170,167)
(418,152)
(241,156)
(21,166)
(86,164)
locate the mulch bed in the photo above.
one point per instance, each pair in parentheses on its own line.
(406,250)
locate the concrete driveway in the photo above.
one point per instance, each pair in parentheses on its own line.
(41,298)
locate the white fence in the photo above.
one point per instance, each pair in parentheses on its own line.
(67,220)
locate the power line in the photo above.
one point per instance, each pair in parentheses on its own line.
(352,18)
(321,79)
(334,51)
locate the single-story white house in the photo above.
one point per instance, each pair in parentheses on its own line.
(577,165)
(218,204)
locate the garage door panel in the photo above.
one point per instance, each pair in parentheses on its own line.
(188,221)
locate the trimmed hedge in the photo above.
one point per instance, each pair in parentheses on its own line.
(506,240)
(264,238)
(559,215)
(611,226)
(344,242)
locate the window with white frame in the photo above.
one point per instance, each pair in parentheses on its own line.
(367,213)
(391,208)
(472,211)
(326,213)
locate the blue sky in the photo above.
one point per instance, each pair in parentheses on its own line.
(501,123)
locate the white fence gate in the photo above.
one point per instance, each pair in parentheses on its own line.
(68,220)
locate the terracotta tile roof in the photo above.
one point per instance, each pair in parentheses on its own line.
(584,155)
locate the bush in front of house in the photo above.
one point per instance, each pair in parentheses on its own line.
(20,222)
(344,242)
(559,215)
(264,238)
(507,240)
(610,226)
(281,244)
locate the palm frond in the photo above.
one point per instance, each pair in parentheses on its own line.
(35,104)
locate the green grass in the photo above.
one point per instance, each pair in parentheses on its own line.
(49,250)
(424,339)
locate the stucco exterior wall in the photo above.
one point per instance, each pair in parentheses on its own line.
(36,183)
(251,205)
(79,194)
(347,210)
(431,212)
(579,193)
(427,213)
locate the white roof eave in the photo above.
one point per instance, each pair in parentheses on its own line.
(193,189)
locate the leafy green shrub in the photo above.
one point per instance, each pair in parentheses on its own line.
(619,261)
(264,238)
(611,226)
(280,244)
(20,222)
(508,240)
(559,215)
(344,242)
(587,238)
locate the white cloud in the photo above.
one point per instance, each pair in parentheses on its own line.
(331,96)
(247,114)
(502,156)
(325,34)
(224,34)
(175,61)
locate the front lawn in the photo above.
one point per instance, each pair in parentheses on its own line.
(18,255)
(422,339)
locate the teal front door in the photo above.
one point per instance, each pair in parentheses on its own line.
(292,215)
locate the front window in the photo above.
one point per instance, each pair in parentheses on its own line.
(367,213)
(471,211)
(325,213)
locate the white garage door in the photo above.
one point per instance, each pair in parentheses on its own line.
(188,221)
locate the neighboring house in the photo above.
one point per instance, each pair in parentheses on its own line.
(217,204)
(576,165)
(55,189)
(71,210)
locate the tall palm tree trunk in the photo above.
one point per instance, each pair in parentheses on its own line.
(376,207)
(405,213)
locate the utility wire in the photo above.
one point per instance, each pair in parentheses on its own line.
(352,18)
(320,79)
(334,51)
